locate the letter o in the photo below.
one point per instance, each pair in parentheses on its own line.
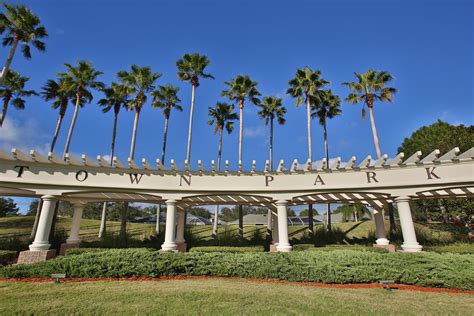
(81,175)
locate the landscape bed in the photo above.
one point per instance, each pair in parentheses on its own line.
(339,266)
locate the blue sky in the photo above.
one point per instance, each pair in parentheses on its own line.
(426,45)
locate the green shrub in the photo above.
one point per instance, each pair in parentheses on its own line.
(310,247)
(14,243)
(461,248)
(338,266)
(7,257)
(227,249)
(78,251)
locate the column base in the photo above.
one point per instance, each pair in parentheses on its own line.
(412,248)
(67,245)
(39,246)
(388,247)
(273,247)
(171,247)
(284,248)
(33,256)
(182,247)
(382,241)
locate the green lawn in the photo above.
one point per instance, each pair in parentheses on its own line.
(220,297)
(21,225)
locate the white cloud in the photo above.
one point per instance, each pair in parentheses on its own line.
(23,135)
(258,131)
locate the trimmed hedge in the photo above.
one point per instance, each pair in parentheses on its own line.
(311,247)
(78,251)
(7,256)
(228,249)
(338,266)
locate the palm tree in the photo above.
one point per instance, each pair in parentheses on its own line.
(166,98)
(242,88)
(272,108)
(141,81)
(329,106)
(116,97)
(79,80)
(222,116)
(21,26)
(369,87)
(304,86)
(54,90)
(190,68)
(13,90)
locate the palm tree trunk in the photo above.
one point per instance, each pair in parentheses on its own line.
(271,144)
(241,128)
(374,133)
(6,68)
(391,219)
(165,135)
(310,219)
(190,131)
(4,110)
(241,222)
(56,132)
(158,222)
(308,114)
(326,152)
(103,218)
(216,210)
(134,134)
(37,216)
(71,127)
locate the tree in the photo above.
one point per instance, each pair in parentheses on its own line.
(191,68)
(272,108)
(353,212)
(116,97)
(13,90)
(140,81)
(304,86)
(166,98)
(79,80)
(439,135)
(8,207)
(329,106)
(443,136)
(371,86)
(240,89)
(21,26)
(200,211)
(56,92)
(222,116)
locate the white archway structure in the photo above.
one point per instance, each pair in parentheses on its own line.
(372,182)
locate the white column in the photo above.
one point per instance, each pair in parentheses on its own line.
(170,242)
(76,223)
(41,241)
(283,242)
(380,228)
(274,228)
(410,244)
(180,228)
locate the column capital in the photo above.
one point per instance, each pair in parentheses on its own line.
(403,198)
(171,201)
(48,198)
(78,204)
(281,202)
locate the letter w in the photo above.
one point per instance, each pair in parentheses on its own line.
(135,177)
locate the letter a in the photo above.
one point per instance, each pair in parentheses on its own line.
(319,179)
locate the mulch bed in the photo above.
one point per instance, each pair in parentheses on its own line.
(320,285)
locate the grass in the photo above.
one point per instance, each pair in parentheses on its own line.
(220,297)
(354,232)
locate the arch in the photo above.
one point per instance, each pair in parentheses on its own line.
(448,192)
(343,197)
(226,198)
(113,196)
